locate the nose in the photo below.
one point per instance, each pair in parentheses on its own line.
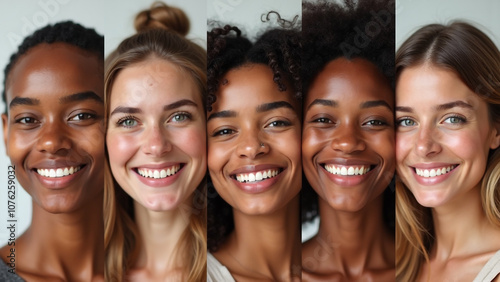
(347,139)
(426,144)
(54,137)
(156,142)
(250,146)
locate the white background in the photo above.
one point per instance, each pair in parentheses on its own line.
(113,18)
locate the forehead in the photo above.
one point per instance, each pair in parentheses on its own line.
(355,79)
(154,81)
(55,69)
(250,85)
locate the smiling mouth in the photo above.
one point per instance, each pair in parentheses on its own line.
(258,176)
(342,170)
(159,173)
(58,172)
(435,171)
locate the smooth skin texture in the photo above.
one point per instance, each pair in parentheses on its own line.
(250,112)
(55,120)
(349,123)
(441,122)
(157,121)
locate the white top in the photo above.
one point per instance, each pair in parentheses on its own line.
(490,270)
(216,272)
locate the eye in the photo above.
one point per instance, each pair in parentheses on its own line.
(375,122)
(455,120)
(223,132)
(322,120)
(128,122)
(82,116)
(26,120)
(279,123)
(180,117)
(406,122)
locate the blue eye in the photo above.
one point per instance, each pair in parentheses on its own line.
(405,122)
(128,122)
(180,117)
(455,120)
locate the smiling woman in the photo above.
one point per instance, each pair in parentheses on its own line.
(448,120)
(53,131)
(155,85)
(253,126)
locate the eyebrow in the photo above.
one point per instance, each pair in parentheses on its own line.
(126,110)
(23,101)
(82,96)
(377,103)
(323,102)
(178,104)
(222,114)
(460,104)
(447,106)
(272,106)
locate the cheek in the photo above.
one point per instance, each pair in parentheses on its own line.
(403,146)
(290,144)
(121,148)
(313,141)
(192,141)
(466,145)
(383,144)
(92,143)
(218,155)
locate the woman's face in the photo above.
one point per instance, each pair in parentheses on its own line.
(444,135)
(54,129)
(156,135)
(348,135)
(254,142)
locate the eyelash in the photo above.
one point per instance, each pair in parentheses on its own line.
(121,122)
(279,123)
(403,119)
(322,120)
(461,119)
(222,132)
(185,114)
(87,116)
(23,120)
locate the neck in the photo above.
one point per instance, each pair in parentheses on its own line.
(161,233)
(270,243)
(460,225)
(70,243)
(355,241)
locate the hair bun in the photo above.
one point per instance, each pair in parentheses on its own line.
(162,16)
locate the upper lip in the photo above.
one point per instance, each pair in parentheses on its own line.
(159,165)
(254,168)
(431,165)
(346,162)
(55,163)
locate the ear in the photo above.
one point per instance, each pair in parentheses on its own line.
(495,138)
(5,120)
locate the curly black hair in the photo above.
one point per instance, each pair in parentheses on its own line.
(278,48)
(67,32)
(331,30)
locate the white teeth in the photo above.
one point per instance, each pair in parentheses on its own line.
(347,171)
(434,172)
(257,176)
(158,174)
(58,172)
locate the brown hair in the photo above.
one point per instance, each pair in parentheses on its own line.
(161,31)
(469,53)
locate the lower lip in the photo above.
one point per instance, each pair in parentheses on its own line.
(159,182)
(59,182)
(347,180)
(428,181)
(258,187)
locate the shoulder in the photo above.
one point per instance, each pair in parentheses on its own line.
(490,270)
(216,271)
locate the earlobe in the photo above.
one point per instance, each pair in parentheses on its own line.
(5,120)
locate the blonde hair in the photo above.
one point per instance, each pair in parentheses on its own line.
(468,52)
(157,37)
